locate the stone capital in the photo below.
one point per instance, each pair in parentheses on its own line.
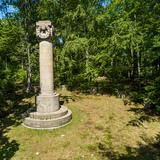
(44,29)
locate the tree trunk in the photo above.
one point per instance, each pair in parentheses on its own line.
(28,69)
(87,61)
(132,61)
(138,63)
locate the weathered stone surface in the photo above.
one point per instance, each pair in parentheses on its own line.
(44,29)
(50,115)
(46,67)
(47,103)
(49,112)
(53,123)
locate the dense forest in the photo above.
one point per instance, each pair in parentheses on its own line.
(110,46)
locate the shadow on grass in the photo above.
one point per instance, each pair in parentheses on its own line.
(150,151)
(66,99)
(8,147)
(143,115)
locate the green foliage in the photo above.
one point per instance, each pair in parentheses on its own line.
(10,37)
(119,42)
(153,95)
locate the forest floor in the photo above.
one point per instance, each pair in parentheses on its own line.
(103,128)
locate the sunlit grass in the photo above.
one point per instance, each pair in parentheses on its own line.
(96,120)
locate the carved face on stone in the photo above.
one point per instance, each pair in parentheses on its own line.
(44,29)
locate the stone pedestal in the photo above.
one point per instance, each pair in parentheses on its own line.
(49,113)
(47,103)
(50,120)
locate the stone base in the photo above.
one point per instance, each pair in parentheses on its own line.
(50,120)
(47,103)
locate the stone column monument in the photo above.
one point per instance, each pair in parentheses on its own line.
(49,113)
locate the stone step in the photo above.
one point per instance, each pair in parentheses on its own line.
(49,123)
(44,116)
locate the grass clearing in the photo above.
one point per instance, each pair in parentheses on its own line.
(102,128)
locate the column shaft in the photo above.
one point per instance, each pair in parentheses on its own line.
(46,67)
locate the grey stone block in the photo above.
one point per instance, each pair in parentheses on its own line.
(52,123)
(50,115)
(47,103)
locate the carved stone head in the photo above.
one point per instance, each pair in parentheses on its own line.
(44,29)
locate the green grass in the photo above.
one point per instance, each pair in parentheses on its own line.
(102,128)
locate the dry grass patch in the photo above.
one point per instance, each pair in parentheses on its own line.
(100,129)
